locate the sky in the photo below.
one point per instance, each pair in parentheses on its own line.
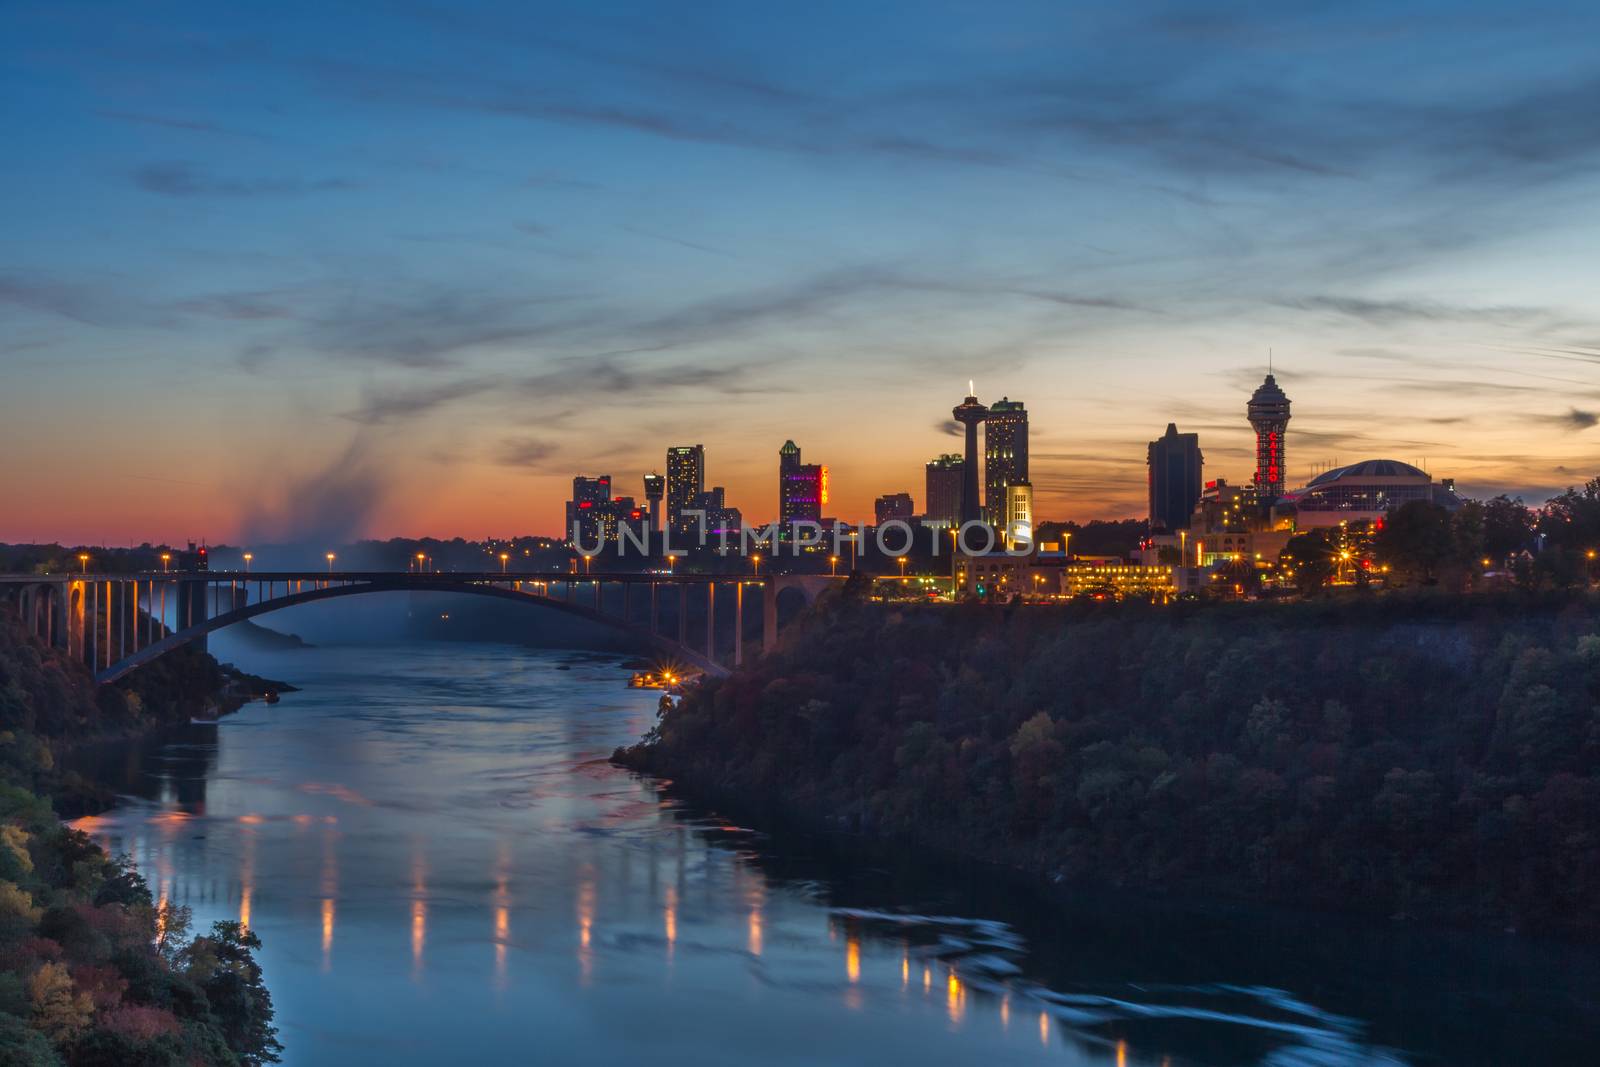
(297,271)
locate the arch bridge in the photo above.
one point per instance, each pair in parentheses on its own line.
(117,623)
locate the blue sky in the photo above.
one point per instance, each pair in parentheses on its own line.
(300,270)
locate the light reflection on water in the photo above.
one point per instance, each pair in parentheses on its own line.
(443,867)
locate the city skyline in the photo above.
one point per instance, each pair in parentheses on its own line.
(343,284)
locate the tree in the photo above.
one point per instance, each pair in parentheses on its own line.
(1310,557)
(1416,540)
(1572,520)
(59,1010)
(225,966)
(1508,526)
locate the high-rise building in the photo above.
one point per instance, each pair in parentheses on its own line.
(1019,515)
(589,496)
(1268,412)
(1005,456)
(892,506)
(720,518)
(655,487)
(1175,463)
(942,492)
(970,414)
(802,490)
(686,480)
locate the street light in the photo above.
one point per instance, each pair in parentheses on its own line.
(902,562)
(671,562)
(420,557)
(833,566)
(247,558)
(756,561)
(83,561)
(330,562)
(587,561)
(166,558)
(504,557)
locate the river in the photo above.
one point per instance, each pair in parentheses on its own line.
(443,868)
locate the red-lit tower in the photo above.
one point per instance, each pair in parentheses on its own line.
(1268,412)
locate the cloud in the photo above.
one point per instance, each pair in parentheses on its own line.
(182,179)
(240,307)
(1392,312)
(527,452)
(189,125)
(1575,420)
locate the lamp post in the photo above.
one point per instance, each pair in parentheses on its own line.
(588,560)
(421,556)
(672,561)
(83,562)
(248,556)
(902,562)
(504,557)
(755,561)
(166,558)
(330,562)
(833,566)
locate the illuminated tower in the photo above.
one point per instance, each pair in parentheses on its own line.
(686,480)
(655,487)
(1268,412)
(1005,456)
(970,414)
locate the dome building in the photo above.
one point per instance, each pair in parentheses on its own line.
(1366,491)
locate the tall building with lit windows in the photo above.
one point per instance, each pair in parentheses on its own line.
(942,490)
(589,498)
(686,480)
(1268,412)
(1019,516)
(802,490)
(1005,456)
(892,506)
(1175,465)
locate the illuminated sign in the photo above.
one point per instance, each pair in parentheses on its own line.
(822,494)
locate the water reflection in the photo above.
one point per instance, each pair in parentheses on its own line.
(463,791)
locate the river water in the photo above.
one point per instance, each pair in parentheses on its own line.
(444,868)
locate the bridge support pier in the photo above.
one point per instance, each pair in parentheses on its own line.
(769,616)
(711,621)
(738,622)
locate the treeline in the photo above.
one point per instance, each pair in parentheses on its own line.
(1484,543)
(1431,757)
(93,972)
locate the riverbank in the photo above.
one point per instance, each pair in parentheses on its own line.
(93,970)
(1434,759)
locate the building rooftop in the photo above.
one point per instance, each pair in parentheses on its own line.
(1369,468)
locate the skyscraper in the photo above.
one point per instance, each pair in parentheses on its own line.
(893,506)
(970,414)
(1268,412)
(942,491)
(686,480)
(1175,463)
(589,496)
(1019,515)
(1005,456)
(802,490)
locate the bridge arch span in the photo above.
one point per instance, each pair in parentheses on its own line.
(182,637)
